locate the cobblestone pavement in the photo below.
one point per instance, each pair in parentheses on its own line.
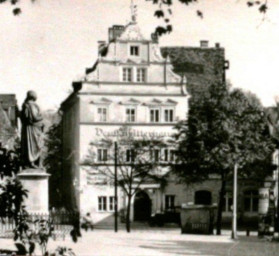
(161,243)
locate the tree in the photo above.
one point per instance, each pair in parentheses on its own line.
(12,193)
(272,114)
(164,11)
(53,163)
(225,128)
(14,3)
(137,162)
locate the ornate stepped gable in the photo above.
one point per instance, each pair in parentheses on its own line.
(201,65)
(131,33)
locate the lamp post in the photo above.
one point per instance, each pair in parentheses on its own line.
(115,188)
(234,222)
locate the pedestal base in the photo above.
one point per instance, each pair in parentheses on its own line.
(36,182)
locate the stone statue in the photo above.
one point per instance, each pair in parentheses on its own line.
(31,133)
(272,114)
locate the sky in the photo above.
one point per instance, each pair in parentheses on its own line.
(52,42)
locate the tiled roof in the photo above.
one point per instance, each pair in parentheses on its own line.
(201,66)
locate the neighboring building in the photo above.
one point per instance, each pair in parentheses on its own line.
(272,114)
(8,119)
(133,83)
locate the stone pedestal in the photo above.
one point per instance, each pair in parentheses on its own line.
(36,182)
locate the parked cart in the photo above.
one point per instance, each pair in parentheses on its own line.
(197,219)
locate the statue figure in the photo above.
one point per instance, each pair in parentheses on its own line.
(31,132)
(273,120)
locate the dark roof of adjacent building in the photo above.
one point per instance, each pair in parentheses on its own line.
(202,66)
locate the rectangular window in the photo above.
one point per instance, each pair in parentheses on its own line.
(130,115)
(247,204)
(154,115)
(166,155)
(127,75)
(134,50)
(102,154)
(130,155)
(155,155)
(169,202)
(102,203)
(255,205)
(228,202)
(141,75)
(111,203)
(251,201)
(102,114)
(168,115)
(172,155)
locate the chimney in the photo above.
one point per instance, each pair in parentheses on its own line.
(217,45)
(115,32)
(204,43)
(101,45)
(77,85)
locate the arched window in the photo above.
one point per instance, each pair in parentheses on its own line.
(203,197)
(251,200)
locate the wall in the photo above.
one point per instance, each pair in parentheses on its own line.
(70,141)
(118,105)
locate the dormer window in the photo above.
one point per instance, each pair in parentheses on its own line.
(134,50)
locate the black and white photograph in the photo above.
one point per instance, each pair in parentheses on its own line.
(139,128)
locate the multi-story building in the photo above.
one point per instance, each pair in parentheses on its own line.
(136,83)
(133,85)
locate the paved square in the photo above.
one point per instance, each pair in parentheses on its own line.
(161,243)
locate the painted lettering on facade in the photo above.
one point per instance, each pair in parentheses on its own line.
(132,132)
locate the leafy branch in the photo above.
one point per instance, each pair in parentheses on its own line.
(16,5)
(164,11)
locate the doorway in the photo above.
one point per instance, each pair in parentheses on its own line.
(142,206)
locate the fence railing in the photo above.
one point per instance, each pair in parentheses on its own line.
(61,222)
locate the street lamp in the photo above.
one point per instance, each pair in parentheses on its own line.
(234,222)
(115,188)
